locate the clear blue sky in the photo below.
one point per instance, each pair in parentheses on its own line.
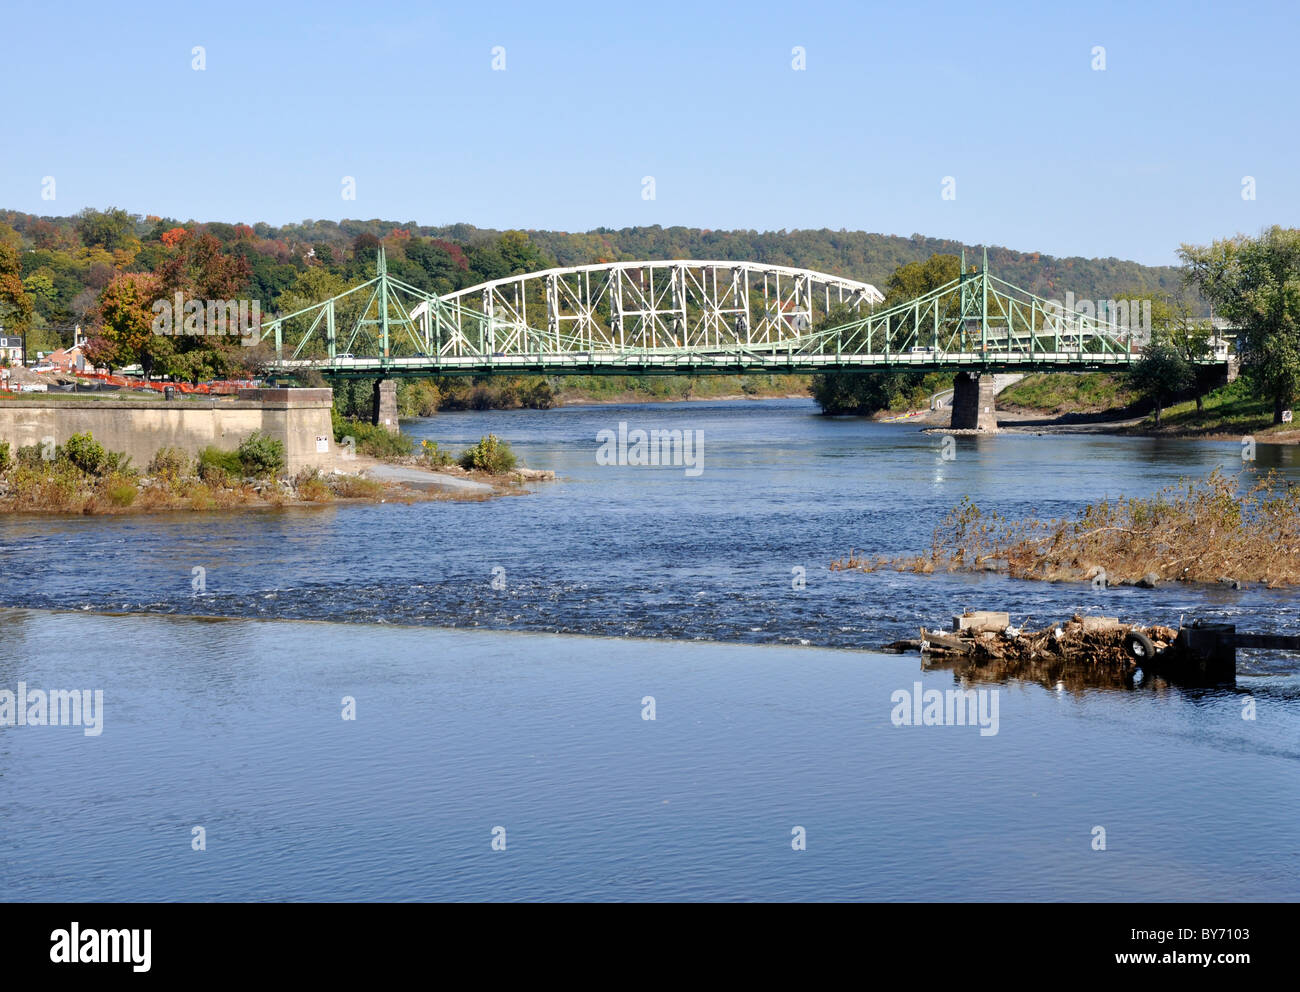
(1047,153)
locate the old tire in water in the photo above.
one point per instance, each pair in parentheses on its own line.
(1138,646)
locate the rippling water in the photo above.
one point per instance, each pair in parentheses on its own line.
(645,552)
(235,725)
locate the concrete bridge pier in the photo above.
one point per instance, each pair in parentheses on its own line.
(973,398)
(386,404)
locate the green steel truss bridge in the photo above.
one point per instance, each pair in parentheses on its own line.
(690,317)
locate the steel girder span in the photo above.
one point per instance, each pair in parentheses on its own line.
(683,317)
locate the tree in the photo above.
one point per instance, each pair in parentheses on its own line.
(1191,339)
(917,278)
(520,254)
(1161,372)
(200,270)
(100,351)
(868,392)
(314,285)
(41,337)
(110,229)
(1255,283)
(487,264)
(15,304)
(124,320)
(443,264)
(1173,324)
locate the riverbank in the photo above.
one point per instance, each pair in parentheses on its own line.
(60,486)
(1100,403)
(429,397)
(54,494)
(1143,426)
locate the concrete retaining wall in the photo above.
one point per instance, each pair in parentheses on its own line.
(299,418)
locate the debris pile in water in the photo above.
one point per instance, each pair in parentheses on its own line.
(983,638)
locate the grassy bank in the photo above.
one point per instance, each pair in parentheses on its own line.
(1230,411)
(488,456)
(1059,393)
(79,476)
(1222,528)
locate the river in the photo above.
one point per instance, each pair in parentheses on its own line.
(571,604)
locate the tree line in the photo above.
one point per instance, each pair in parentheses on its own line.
(106,270)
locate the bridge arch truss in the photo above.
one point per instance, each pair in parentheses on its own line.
(652,307)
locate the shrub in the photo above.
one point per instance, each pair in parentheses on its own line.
(121,492)
(219,468)
(491,454)
(171,464)
(433,456)
(312,487)
(117,462)
(261,455)
(31,456)
(201,497)
(45,488)
(356,487)
(83,451)
(374,440)
(538,395)
(4,456)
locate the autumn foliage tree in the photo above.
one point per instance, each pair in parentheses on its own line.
(123,321)
(15,304)
(200,270)
(130,314)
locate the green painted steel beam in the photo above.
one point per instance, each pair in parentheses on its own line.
(395,329)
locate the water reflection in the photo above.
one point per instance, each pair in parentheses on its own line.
(1076,677)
